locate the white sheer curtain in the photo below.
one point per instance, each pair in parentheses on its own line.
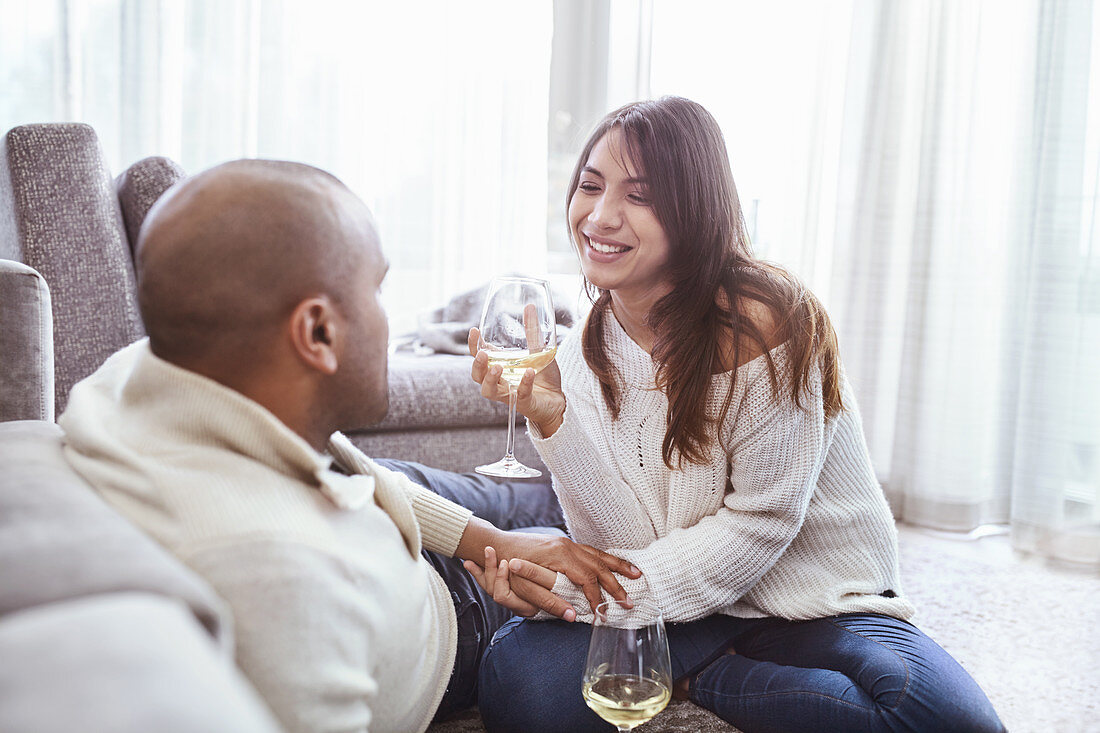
(930,168)
(434,112)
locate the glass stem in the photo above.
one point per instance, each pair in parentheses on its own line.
(508,456)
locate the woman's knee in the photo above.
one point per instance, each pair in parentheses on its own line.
(530,679)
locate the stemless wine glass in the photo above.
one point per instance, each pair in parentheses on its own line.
(628,675)
(517,332)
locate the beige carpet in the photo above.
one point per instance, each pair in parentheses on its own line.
(1028,633)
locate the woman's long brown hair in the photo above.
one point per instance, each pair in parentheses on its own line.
(682,153)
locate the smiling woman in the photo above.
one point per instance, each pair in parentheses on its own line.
(620,240)
(699,426)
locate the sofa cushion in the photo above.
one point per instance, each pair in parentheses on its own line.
(434,392)
(60,541)
(60,215)
(123,662)
(26,344)
(452,449)
(139,187)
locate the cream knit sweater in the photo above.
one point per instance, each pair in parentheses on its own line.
(802,530)
(341,624)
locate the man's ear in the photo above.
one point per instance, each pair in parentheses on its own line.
(314,329)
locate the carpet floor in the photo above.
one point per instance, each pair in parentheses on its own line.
(1029,634)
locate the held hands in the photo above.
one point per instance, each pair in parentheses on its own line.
(523,584)
(539,397)
(521,587)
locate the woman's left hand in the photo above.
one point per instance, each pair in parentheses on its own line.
(523,589)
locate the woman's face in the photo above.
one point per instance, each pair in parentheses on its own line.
(621,244)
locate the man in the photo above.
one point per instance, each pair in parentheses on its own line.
(258,283)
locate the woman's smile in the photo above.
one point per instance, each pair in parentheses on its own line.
(602,249)
(621,243)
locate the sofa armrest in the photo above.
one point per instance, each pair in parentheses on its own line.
(124,662)
(26,344)
(60,541)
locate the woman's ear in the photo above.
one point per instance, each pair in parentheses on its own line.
(314,330)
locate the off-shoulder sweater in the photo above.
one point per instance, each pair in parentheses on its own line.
(784,518)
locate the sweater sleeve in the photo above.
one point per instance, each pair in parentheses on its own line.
(588,488)
(305,631)
(442,521)
(777,450)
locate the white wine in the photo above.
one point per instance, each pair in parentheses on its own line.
(625,700)
(516,362)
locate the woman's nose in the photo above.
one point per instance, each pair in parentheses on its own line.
(605,213)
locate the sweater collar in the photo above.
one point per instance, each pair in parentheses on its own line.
(137,385)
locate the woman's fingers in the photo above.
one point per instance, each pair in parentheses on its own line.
(526,386)
(472,339)
(500,581)
(531,328)
(534,572)
(490,386)
(475,570)
(538,597)
(496,582)
(490,571)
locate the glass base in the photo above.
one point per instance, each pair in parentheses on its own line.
(508,467)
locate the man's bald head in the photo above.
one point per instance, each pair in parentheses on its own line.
(225,255)
(264,276)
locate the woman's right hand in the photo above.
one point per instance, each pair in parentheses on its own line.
(539,397)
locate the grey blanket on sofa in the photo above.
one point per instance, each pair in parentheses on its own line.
(444,330)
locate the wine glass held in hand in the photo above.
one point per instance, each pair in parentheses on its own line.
(517,333)
(628,675)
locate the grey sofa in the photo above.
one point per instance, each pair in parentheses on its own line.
(100,628)
(63,215)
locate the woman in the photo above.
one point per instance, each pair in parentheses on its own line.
(702,428)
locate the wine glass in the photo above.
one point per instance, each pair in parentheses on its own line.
(517,332)
(627,677)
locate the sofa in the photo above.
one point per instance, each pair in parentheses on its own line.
(100,628)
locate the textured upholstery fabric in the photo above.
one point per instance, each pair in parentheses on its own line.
(436,392)
(26,344)
(59,540)
(139,187)
(63,220)
(452,449)
(122,662)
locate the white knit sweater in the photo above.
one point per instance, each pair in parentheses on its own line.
(801,531)
(341,624)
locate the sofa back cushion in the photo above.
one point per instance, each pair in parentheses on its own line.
(60,541)
(139,187)
(59,214)
(26,344)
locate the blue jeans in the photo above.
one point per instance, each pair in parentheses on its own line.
(526,505)
(855,672)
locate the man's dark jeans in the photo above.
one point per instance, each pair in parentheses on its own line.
(520,505)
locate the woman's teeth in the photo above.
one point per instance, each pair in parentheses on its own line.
(607,249)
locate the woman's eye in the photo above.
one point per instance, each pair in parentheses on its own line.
(588,187)
(639,198)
